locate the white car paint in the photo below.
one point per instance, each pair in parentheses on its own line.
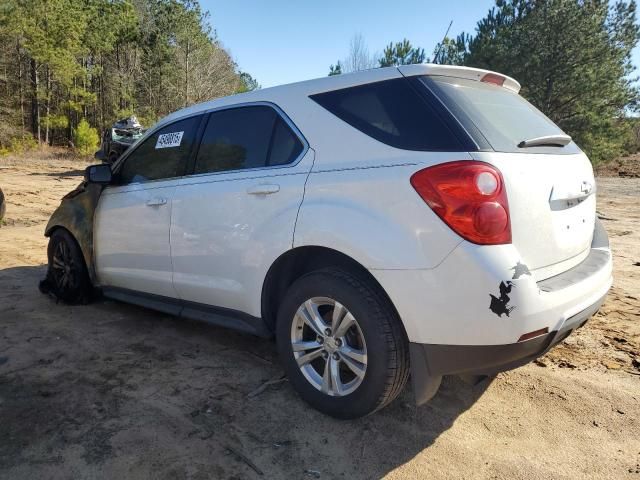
(227,229)
(131,237)
(548,240)
(449,304)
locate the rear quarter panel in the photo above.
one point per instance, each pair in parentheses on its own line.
(369,211)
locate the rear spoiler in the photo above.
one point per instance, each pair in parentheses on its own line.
(461,72)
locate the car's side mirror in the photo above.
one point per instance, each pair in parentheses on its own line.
(98,174)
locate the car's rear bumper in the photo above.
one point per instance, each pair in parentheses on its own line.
(481,311)
(485,295)
(429,362)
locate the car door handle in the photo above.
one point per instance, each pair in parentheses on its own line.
(263,189)
(156,202)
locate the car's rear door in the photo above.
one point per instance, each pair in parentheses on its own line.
(236,213)
(131,231)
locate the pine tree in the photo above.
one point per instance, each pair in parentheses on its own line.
(573,58)
(335,69)
(62,61)
(402,53)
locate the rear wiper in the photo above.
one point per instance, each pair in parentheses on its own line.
(548,140)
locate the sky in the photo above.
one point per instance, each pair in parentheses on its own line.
(279,41)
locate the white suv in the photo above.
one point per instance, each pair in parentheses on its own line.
(422,219)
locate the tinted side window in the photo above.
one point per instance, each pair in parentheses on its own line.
(285,145)
(392,112)
(236,139)
(163,155)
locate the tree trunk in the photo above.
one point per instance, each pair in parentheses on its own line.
(48,105)
(35,107)
(69,126)
(186,76)
(85,66)
(120,84)
(102,93)
(20,87)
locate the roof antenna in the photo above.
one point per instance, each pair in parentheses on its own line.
(435,57)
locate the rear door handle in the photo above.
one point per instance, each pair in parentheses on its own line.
(156,202)
(263,189)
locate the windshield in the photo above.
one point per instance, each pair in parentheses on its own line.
(126,135)
(503,117)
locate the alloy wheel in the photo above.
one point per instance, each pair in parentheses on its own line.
(64,268)
(329,346)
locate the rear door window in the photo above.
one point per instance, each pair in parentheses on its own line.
(503,117)
(393,113)
(246,137)
(235,139)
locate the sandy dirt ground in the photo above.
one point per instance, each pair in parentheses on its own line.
(109,390)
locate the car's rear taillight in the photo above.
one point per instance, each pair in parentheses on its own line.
(470,197)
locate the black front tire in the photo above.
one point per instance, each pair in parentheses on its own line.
(67,276)
(387,346)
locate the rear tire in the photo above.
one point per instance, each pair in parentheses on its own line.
(359,367)
(67,276)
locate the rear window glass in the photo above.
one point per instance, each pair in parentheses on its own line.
(392,112)
(503,117)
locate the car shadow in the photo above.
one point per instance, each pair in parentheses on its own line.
(98,384)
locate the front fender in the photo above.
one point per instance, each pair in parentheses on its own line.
(75,213)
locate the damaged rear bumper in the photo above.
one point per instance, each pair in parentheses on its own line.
(453,322)
(429,362)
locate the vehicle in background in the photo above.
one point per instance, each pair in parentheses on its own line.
(117,139)
(421,218)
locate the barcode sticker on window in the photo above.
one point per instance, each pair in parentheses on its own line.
(168,140)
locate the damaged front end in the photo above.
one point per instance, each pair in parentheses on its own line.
(75,214)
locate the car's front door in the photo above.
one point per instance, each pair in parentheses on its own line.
(131,230)
(237,212)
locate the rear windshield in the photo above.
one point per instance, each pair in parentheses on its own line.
(503,117)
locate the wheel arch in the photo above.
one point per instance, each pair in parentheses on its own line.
(51,229)
(75,214)
(298,261)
